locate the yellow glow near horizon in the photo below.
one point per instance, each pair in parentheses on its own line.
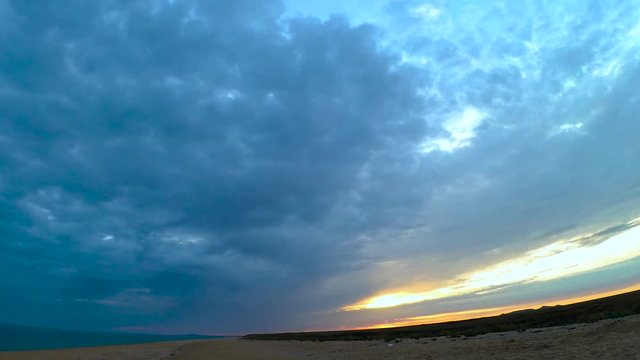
(554,261)
(477,313)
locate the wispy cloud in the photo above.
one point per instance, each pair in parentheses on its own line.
(460,128)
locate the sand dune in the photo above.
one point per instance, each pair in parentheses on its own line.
(607,339)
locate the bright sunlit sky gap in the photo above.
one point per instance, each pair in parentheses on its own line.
(553,261)
(226,167)
(484,312)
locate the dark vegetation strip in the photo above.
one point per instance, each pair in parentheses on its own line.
(583,312)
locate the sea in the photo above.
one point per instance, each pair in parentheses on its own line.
(16,338)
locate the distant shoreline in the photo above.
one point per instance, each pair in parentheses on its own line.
(147,346)
(606,339)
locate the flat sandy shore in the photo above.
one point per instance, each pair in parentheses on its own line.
(608,339)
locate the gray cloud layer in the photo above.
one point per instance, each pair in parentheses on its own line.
(208,165)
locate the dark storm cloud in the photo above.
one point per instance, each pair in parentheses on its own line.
(199,139)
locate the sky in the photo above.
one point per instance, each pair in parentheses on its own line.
(226,167)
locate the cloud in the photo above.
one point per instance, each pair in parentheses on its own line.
(193,137)
(137,301)
(461,129)
(426,11)
(567,128)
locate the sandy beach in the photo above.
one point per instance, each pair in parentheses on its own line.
(607,339)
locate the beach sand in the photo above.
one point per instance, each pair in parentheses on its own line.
(607,339)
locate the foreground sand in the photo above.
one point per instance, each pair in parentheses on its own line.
(608,339)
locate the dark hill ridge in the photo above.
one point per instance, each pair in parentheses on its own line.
(583,312)
(15,338)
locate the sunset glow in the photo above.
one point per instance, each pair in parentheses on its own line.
(556,260)
(477,313)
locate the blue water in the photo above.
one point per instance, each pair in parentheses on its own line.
(14,338)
